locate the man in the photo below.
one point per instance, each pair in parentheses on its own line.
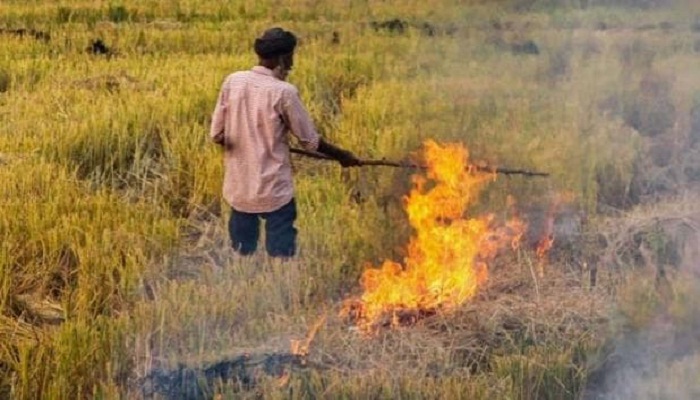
(255,111)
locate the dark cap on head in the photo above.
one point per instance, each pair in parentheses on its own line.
(275,42)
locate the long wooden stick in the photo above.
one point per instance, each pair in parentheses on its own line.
(401,164)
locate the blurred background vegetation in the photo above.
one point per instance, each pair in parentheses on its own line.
(113,256)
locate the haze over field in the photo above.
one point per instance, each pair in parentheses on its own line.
(450,281)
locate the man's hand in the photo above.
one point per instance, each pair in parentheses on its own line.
(219,138)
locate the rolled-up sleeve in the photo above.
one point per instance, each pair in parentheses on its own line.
(299,120)
(218,119)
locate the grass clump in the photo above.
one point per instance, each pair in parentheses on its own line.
(118,13)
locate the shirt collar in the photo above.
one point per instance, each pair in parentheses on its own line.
(262,70)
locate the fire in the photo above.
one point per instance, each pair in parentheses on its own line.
(559,202)
(447,254)
(300,347)
(544,245)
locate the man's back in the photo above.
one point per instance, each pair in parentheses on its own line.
(259,111)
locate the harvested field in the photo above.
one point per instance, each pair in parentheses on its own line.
(117,279)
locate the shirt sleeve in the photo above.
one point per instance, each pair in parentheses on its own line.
(299,120)
(218,119)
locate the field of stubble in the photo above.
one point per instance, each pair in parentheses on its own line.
(116,280)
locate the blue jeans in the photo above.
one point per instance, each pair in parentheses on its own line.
(280,233)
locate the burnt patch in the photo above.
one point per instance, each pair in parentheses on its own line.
(41,36)
(398,26)
(525,47)
(5,80)
(194,383)
(664,26)
(395,25)
(428,29)
(502,25)
(519,47)
(99,48)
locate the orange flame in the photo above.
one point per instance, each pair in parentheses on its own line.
(446,256)
(544,245)
(546,241)
(300,347)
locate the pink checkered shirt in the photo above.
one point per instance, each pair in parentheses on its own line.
(254,113)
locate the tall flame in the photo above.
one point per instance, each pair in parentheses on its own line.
(445,261)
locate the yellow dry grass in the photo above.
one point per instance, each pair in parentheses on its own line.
(113,252)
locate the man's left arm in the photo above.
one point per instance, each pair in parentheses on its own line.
(299,121)
(218,119)
(303,128)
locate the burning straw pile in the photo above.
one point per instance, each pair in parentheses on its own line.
(446,258)
(468,298)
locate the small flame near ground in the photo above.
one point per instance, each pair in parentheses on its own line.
(300,347)
(447,254)
(546,241)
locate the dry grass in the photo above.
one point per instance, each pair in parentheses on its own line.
(114,259)
(518,322)
(660,236)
